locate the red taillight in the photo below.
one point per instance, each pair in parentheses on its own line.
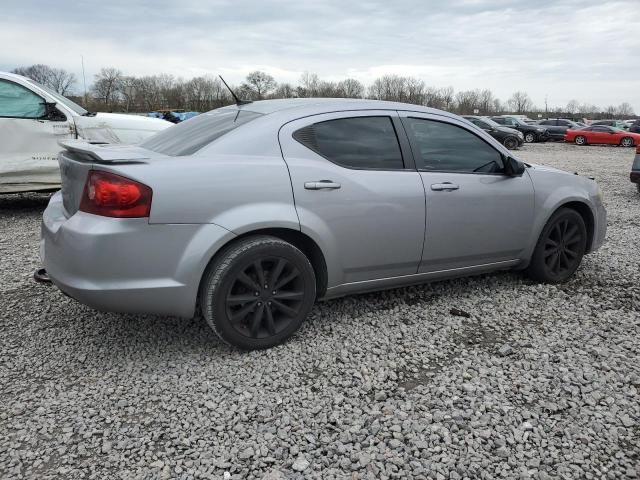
(112,195)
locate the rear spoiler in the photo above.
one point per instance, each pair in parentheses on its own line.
(105,152)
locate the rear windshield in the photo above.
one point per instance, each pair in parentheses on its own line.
(191,135)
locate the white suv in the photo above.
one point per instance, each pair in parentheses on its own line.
(34,118)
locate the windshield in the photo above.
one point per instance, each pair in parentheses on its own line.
(191,135)
(490,122)
(60,99)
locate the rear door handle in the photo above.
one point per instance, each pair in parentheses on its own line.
(322,185)
(445,186)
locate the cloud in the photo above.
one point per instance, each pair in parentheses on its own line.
(582,49)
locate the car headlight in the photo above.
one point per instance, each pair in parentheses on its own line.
(540,130)
(520,134)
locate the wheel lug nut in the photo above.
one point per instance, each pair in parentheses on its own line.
(259,304)
(268,303)
(273,293)
(257,294)
(266,286)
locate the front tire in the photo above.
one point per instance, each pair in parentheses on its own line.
(560,248)
(529,137)
(580,140)
(511,143)
(626,142)
(257,292)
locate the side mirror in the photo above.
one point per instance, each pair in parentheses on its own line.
(52,113)
(513,167)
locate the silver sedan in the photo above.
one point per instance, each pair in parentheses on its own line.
(250,213)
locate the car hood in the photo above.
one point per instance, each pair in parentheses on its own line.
(118,127)
(508,130)
(546,169)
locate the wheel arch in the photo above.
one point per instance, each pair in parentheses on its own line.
(301,241)
(587,215)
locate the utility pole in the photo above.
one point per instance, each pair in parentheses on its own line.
(546,107)
(84,80)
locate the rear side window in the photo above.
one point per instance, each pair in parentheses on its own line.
(17,101)
(358,142)
(444,147)
(191,135)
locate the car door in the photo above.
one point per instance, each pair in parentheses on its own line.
(28,140)
(600,134)
(476,214)
(357,193)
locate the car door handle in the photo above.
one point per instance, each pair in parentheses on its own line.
(445,186)
(322,185)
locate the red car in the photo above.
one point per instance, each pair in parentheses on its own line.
(602,134)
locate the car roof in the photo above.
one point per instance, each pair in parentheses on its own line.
(298,107)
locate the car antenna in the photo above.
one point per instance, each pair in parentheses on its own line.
(235,97)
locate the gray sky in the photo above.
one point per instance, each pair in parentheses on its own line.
(583,49)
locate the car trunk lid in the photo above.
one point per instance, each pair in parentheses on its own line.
(79,157)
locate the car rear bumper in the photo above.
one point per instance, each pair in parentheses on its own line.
(635,177)
(127,265)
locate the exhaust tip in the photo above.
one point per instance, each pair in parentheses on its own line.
(41,276)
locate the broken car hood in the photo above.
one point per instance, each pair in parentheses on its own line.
(118,127)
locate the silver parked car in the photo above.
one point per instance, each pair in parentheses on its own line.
(250,213)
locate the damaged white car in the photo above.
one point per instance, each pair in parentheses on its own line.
(34,118)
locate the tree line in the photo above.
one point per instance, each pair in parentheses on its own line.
(114,91)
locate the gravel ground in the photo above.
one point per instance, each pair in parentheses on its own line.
(538,382)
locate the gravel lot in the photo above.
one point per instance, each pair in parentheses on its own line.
(539,382)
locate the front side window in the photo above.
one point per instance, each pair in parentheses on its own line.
(191,135)
(356,142)
(499,121)
(17,101)
(447,147)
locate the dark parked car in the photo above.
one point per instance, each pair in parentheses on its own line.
(532,133)
(557,127)
(612,123)
(635,169)
(635,127)
(509,137)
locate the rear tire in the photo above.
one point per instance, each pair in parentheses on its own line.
(580,140)
(626,142)
(511,143)
(560,248)
(257,292)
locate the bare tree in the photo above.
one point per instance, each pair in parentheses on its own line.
(309,83)
(520,102)
(485,101)
(57,79)
(259,83)
(414,91)
(107,86)
(447,97)
(284,90)
(573,106)
(128,91)
(350,88)
(467,101)
(625,110)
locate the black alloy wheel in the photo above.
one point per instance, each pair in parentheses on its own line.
(560,248)
(265,297)
(257,292)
